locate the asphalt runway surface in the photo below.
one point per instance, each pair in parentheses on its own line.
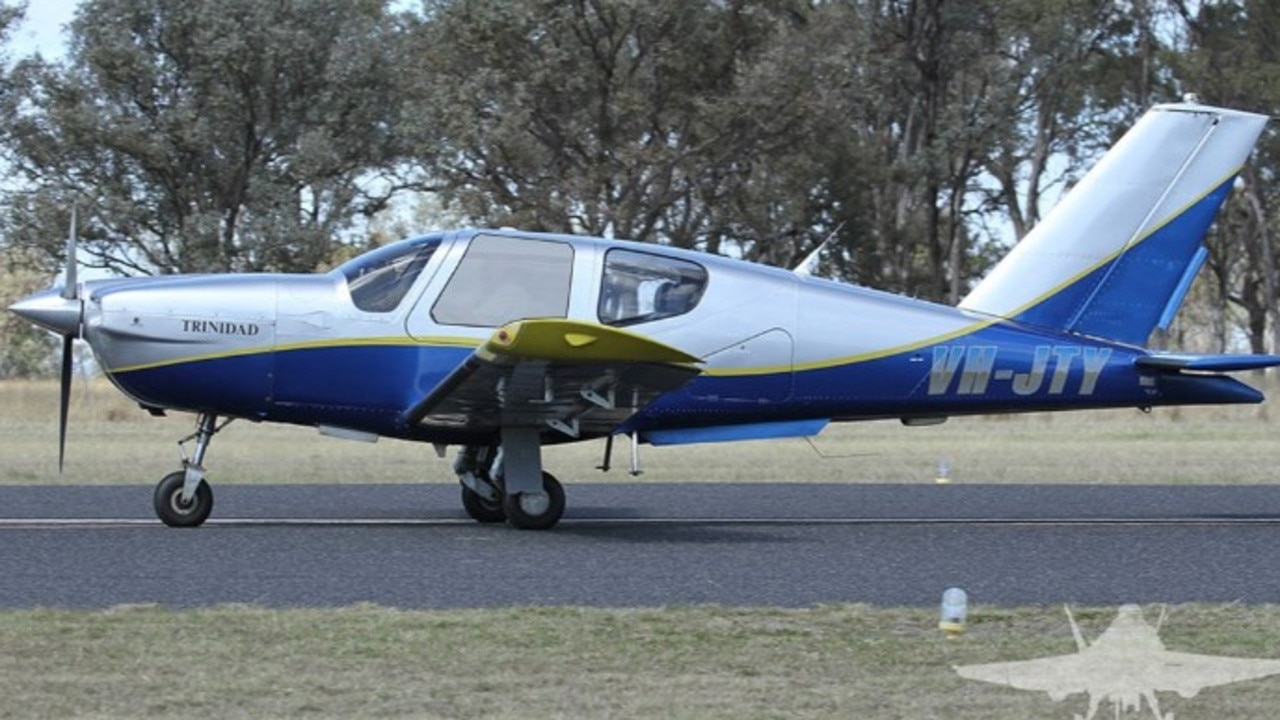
(629,545)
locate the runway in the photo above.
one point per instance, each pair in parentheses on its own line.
(647,545)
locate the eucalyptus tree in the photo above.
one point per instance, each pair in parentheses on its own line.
(1226,53)
(595,116)
(25,350)
(892,140)
(208,134)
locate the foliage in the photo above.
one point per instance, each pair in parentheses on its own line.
(605,117)
(921,137)
(26,350)
(205,136)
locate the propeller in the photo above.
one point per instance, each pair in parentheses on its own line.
(62,311)
(70,291)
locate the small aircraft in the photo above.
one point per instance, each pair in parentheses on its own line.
(1126,665)
(501,341)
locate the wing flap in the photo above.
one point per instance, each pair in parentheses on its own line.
(580,379)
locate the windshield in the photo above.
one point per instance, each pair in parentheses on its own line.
(379,279)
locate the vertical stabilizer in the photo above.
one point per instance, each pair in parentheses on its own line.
(1115,256)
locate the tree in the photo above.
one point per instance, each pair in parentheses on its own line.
(588,116)
(1226,54)
(207,135)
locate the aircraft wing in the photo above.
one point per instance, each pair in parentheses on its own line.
(1058,676)
(1188,674)
(578,378)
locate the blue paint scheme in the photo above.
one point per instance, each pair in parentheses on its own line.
(1124,299)
(375,379)
(731,433)
(363,387)
(238,386)
(1184,286)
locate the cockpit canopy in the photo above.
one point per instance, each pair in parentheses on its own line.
(502,277)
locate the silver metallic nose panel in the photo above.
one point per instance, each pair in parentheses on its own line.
(49,309)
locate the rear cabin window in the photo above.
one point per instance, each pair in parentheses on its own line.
(639,287)
(501,279)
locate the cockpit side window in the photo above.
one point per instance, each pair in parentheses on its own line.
(380,279)
(502,278)
(640,287)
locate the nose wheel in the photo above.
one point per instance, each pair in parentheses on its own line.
(175,511)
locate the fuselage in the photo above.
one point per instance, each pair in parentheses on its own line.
(357,347)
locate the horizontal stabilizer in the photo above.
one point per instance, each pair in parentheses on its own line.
(1208,363)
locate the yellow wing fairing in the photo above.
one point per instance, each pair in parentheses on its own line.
(556,339)
(575,379)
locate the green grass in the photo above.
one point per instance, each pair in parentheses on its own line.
(112,442)
(839,661)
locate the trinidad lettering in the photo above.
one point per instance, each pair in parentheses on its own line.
(1049,371)
(220,327)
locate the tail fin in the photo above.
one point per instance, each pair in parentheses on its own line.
(1116,256)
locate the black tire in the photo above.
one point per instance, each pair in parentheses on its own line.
(522,516)
(175,513)
(480,509)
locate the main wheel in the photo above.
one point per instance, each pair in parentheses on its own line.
(536,511)
(170,507)
(480,509)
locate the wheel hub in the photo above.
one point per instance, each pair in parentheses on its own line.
(535,503)
(178,504)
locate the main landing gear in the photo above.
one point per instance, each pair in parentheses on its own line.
(183,498)
(508,484)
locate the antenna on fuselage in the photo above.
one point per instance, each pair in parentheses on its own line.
(809,265)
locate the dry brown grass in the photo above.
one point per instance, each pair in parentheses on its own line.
(112,441)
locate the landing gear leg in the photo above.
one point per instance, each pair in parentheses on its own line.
(183,498)
(533,499)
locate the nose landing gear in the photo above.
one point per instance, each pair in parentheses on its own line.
(183,498)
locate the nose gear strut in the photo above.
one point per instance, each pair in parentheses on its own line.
(183,498)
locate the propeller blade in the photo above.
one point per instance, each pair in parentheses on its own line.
(65,398)
(69,289)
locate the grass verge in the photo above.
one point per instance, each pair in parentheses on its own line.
(113,442)
(698,662)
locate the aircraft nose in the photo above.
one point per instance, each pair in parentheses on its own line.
(49,309)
